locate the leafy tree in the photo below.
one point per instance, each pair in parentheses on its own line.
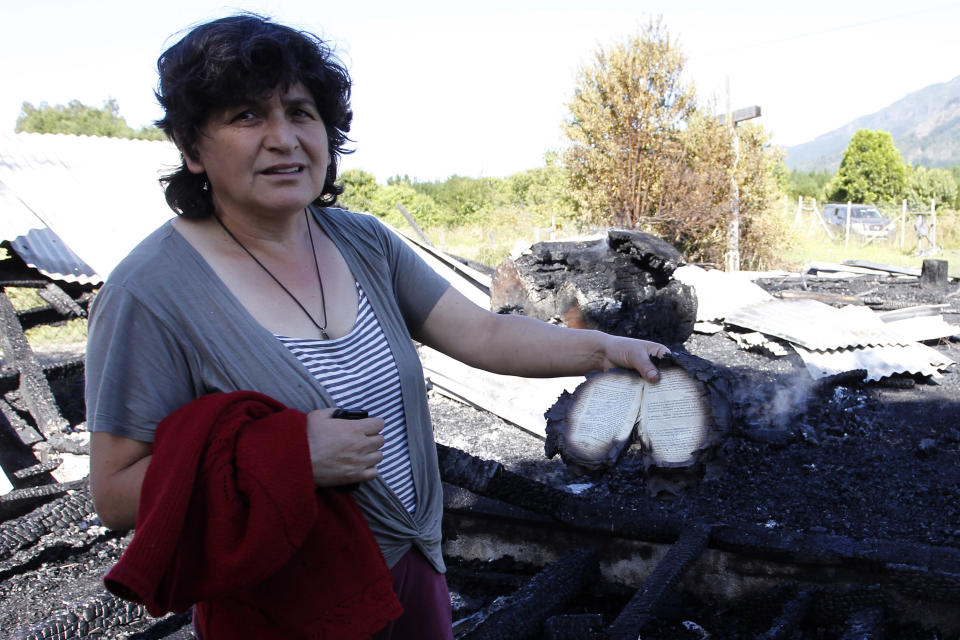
(80,119)
(545,190)
(362,193)
(643,154)
(925,184)
(627,110)
(359,190)
(871,170)
(809,184)
(466,200)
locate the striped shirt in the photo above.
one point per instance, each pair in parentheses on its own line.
(359,372)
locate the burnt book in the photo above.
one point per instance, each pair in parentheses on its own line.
(672,420)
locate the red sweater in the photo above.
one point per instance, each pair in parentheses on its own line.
(229,519)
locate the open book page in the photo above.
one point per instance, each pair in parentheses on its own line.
(602,416)
(675,418)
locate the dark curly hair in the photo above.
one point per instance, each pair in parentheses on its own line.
(229,61)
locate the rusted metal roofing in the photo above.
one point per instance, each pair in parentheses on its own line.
(74,206)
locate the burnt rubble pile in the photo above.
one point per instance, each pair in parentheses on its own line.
(831,510)
(809,583)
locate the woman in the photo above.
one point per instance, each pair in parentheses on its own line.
(258,284)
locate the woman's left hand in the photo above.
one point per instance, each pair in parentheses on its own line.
(630,353)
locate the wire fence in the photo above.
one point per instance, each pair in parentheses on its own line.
(919,231)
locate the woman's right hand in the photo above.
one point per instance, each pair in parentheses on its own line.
(343,451)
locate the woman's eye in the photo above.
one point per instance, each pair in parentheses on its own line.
(243,116)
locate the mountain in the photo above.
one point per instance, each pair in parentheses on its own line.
(925,126)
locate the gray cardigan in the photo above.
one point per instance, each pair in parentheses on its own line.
(164,330)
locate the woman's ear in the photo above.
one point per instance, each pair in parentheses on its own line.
(191,160)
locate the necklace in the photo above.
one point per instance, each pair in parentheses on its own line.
(323,298)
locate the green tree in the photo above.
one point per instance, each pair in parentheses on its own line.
(544,191)
(80,119)
(627,110)
(644,155)
(362,193)
(872,170)
(809,184)
(924,185)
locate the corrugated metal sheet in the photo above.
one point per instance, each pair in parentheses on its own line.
(814,325)
(878,362)
(91,199)
(719,292)
(43,250)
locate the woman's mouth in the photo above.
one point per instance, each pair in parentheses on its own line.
(283,170)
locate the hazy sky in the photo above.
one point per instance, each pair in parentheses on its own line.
(480,88)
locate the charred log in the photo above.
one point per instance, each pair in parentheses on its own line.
(94,616)
(523,614)
(34,387)
(620,285)
(641,608)
(584,626)
(66,510)
(794,612)
(865,624)
(32,493)
(493,480)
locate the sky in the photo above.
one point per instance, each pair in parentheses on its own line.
(480,89)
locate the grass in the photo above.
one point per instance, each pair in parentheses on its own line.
(815,246)
(493,240)
(46,336)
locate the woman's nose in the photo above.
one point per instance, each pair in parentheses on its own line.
(280,135)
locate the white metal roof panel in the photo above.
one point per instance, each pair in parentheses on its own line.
(878,362)
(100,196)
(719,292)
(814,325)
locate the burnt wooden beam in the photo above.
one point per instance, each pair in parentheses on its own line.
(641,608)
(793,614)
(26,433)
(523,614)
(98,615)
(491,479)
(34,388)
(61,301)
(865,623)
(65,511)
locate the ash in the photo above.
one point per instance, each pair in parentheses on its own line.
(839,456)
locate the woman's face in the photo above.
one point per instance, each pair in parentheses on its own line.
(265,156)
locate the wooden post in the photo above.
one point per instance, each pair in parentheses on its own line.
(796,220)
(934,274)
(933,225)
(413,223)
(903,224)
(849,210)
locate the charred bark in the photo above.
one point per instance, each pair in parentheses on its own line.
(620,285)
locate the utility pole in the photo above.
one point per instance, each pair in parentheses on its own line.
(732,256)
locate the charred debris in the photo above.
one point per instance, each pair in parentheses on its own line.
(831,509)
